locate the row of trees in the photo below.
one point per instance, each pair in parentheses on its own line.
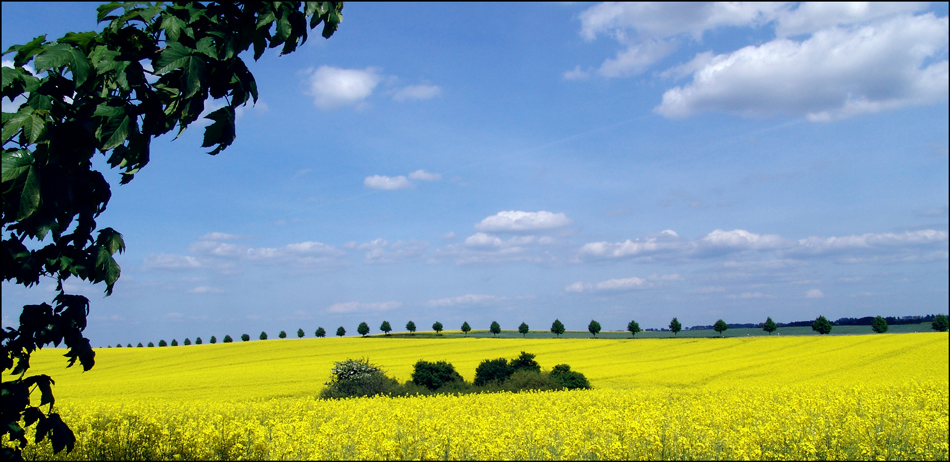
(820,325)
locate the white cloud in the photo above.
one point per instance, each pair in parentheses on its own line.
(307,253)
(400,251)
(357,307)
(448,236)
(836,73)
(374,244)
(467,299)
(205,290)
(611,285)
(417,92)
(387,183)
(649,31)
(749,295)
(332,87)
(868,241)
(518,221)
(742,239)
(811,17)
(216,236)
(423,175)
(576,74)
(170,262)
(814,293)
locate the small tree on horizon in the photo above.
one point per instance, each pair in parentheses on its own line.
(213,340)
(523,330)
(879,325)
(320,332)
(362,329)
(940,323)
(769,326)
(495,328)
(151,345)
(720,327)
(411,327)
(139,345)
(282,334)
(675,326)
(557,328)
(118,345)
(466,328)
(385,327)
(340,331)
(198,341)
(245,338)
(174,342)
(263,335)
(300,333)
(187,341)
(162,343)
(437,327)
(228,339)
(593,327)
(821,325)
(633,327)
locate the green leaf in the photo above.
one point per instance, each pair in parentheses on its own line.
(174,56)
(117,135)
(15,163)
(44,382)
(206,46)
(25,52)
(30,197)
(194,76)
(34,126)
(104,10)
(53,57)
(172,26)
(79,65)
(10,75)
(12,125)
(82,40)
(221,132)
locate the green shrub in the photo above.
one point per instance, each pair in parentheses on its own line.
(198,341)
(437,327)
(139,345)
(174,342)
(245,338)
(357,377)
(566,378)
(187,341)
(213,340)
(162,343)
(282,334)
(150,344)
(466,328)
(879,325)
(524,362)
(227,339)
(821,325)
(525,380)
(434,375)
(362,329)
(300,333)
(940,323)
(263,335)
(492,370)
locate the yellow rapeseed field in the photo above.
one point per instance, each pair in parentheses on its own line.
(846,397)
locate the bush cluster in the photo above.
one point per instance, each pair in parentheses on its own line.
(358,377)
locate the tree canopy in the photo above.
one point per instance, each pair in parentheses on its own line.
(148,71)
(675,326)
(557,328)
(523,329)
(821,325)
(879,325)
(466,328)
(720,327)
(593,327)
(495,328)
(633,327)
(769,326)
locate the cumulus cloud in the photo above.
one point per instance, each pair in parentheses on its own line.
(811,17)
(814,293)
(423,175)
(610,285)
(399,182)
(835,73)
(205,290)
(417,92)
(576,74)
(467,299)
(307,253)
(910,245)
(217,236)
(649,31)
(387,183)
(357,307)
(518,221)
(333,88)
(170,262)
(400,251)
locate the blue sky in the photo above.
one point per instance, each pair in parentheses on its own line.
(526,162)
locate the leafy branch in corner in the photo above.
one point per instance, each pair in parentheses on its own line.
(149,71)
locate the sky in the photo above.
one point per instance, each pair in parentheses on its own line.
(525,162)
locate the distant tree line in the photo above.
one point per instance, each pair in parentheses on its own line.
(821,325)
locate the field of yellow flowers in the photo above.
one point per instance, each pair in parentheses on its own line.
(846,397)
